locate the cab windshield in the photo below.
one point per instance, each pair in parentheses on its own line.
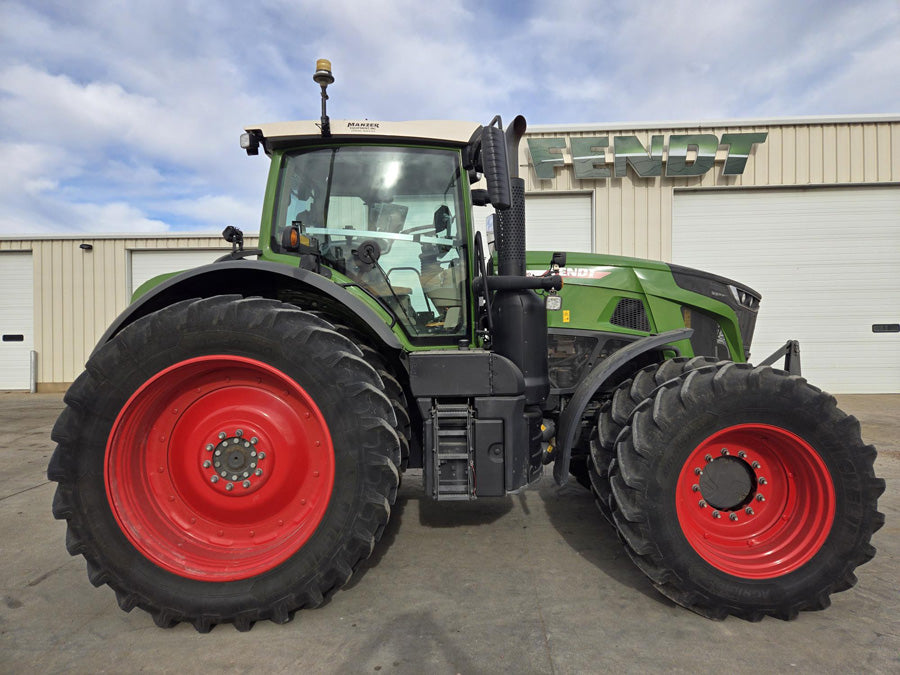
(388,218)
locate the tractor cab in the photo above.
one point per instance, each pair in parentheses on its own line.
(390,219)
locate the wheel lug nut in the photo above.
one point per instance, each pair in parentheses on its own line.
(760,498)
(246,474)
(742,454)
(207,464)
(253,465)
(698,471)
(708,458)
(701,504)
(239,433)
(262,455)
(749,511)
(223,474)
(733,517)
(258,472)
(724,451)
(695,488)
(755,465)
(214,479)
(222,435)
(234,478)
(218,452)
(246,483)
(716,514)
(762,481)
(253,453)
(224,443)
(229,487)
(246,444)
(210,447)
(254,440)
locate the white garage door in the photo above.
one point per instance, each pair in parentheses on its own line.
(16,320)
(147,264)
(552,222)
(559,223)
(826,262)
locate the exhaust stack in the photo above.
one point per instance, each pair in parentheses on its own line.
(510,228)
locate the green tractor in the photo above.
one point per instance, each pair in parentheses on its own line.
(232,450)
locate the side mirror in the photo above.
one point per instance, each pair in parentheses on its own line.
(496,166)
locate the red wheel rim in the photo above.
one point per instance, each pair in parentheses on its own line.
(219,468)
(782,521)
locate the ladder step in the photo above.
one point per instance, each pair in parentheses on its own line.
(453,411)
(453,477)
(462,496)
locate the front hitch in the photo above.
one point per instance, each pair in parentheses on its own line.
(791,353)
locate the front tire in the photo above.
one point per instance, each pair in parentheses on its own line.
(614,414)
(745,491)
(225,460)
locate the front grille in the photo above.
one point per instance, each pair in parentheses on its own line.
(630,313)
(708,338)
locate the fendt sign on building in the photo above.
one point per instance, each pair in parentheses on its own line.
(589,154)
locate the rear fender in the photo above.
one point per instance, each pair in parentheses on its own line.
(570,419)
(257,278)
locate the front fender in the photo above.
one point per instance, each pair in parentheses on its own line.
(570,419)
(253,278)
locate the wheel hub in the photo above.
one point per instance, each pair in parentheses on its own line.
(727,483)
(235,465)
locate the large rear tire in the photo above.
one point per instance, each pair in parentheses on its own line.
(745,491)
(225,460)
(392,387)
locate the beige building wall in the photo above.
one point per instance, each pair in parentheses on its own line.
(633,215)
(78,293)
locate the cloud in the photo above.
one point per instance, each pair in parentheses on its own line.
(133,110)
(35,203)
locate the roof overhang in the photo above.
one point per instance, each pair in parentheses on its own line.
(283,134)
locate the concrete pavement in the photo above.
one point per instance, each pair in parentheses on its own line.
(537,583)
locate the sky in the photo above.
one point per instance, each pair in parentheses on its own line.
(124,116)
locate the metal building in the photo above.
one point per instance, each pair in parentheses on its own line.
(59,294)
(806,211)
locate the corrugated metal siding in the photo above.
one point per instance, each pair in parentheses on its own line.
(633,215)
(79,293)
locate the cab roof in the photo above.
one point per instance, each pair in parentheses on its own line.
(282,134)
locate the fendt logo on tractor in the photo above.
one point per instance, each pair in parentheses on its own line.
(233,449)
